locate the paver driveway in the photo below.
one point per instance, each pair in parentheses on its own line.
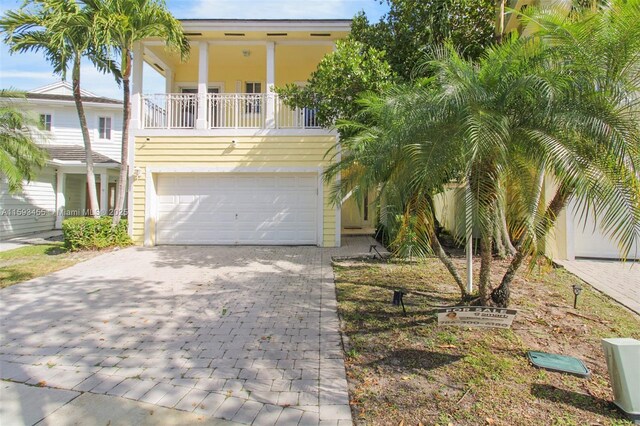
(248,334)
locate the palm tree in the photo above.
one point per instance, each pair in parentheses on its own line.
(561,106)
(119,24)
(20,157)
(61,29)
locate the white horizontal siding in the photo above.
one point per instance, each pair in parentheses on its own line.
(66,127)
(37,197)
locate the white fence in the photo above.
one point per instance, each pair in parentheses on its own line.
(224,111)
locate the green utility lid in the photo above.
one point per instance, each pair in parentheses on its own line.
(561,363)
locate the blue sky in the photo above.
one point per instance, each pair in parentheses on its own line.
(28,71)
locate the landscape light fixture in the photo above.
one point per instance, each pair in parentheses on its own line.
(397,300)
(576,291)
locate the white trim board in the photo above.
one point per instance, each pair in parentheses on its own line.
(228,132)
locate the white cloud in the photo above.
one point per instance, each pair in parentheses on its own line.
(27,75)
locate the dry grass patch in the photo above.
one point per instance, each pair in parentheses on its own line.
(407,369)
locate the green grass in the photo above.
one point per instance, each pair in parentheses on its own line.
(407,368)
(30,262)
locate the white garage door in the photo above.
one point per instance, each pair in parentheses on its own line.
(589,241)
(242,208)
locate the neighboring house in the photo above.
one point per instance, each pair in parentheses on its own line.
(60,189)
(219,158)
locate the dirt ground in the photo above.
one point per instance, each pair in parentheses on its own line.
(407,370)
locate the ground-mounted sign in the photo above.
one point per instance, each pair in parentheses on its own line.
(476,316)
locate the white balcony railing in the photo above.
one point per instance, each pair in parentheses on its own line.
(224,111)
(169,111)
(295,118)
(236,111)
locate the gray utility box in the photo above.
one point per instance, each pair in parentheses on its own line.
(623,362)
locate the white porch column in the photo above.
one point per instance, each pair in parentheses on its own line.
(203,80)
(136,92)
(168,80)
(270,119)
(104,192)
(60,201)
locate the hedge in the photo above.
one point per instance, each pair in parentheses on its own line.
(88,233)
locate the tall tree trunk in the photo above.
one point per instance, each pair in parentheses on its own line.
(124,158)
(500,296)
(91,178)
(486,258)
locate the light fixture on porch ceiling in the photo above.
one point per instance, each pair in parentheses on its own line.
(246,53)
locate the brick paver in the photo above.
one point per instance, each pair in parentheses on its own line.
(619,280)
(248,334)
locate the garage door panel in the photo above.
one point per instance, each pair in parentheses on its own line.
(237,209)
(590,241)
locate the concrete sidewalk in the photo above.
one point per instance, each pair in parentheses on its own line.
(619,280)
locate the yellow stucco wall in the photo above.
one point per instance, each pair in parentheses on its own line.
(201,151)
(234,65)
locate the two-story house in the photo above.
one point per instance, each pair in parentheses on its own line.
(60,188)
(219,158)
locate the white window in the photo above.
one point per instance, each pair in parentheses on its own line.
(45,122)
(104,127)
(253,87)
(253,103)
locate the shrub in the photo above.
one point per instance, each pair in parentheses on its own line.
(88,233)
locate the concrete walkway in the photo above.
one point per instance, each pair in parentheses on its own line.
(246,334)
(619,280)
(31,239)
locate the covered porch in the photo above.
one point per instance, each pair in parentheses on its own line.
(71,182)
(229,79)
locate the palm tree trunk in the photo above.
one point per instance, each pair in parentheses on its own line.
(124,159)
(486,257)
(91,178)
(446,260)
(500,296)
(499,21)
(504,231)
(498,238)
(434,242)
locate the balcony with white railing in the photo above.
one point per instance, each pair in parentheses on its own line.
(224,111)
